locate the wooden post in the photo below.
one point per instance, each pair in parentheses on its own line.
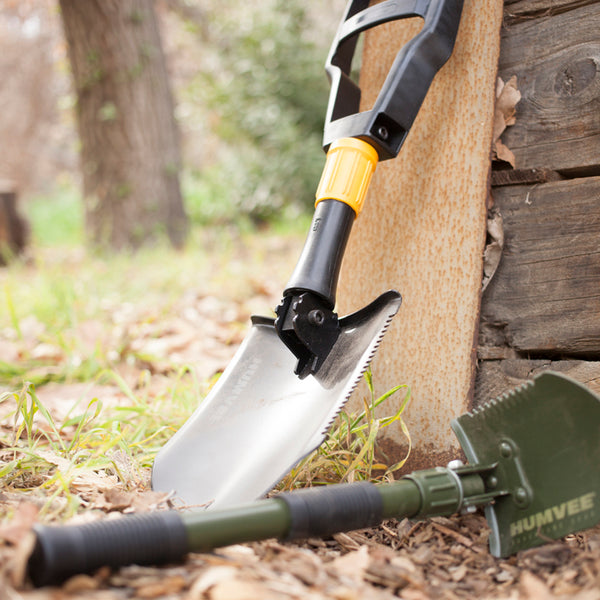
(423,232)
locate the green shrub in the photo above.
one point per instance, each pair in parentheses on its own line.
(267,93)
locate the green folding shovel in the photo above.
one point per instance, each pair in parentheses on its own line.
(534,464)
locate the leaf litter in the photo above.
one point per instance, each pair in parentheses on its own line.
(151,350)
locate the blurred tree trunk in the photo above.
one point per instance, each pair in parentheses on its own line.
(14,229)
(130,155)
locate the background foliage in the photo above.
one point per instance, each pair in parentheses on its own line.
(250,91)
(267,93)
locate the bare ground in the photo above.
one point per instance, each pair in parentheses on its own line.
(439,558)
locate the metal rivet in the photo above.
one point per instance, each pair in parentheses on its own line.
(505,450)
(492,482)
(383,133)
(316,317)
(521,495)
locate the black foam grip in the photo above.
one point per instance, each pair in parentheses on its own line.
(326,510)
(148,539)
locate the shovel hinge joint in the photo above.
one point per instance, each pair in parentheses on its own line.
(448,490)
(504,478)
(309,328)
(510,473)
(479,483)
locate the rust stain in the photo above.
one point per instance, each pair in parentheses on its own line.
(423,230)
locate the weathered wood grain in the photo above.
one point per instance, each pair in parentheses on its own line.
(523,176)
(518,10)
(545,295)
(423,230)
(497,377)
(556,61)
(544,300)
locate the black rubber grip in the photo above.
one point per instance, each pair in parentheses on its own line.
(148,539)
(326,510)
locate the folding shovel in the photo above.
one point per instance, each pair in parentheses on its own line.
(292,375)
(534,463)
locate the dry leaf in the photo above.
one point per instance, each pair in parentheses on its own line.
(81,583)
(117,499)
(159,589)
(238,589)
(345,541)
(239,553)
(9,350)
(459,573)
(53,458)
(209,579)
(47,352)
(352,565)
(25,516)
(91,483)
(149,500)
(18,564)
(493,250)
(345,593)
(414,594)
(504,153)
(422,555)
(586,595)
(507,98)
(533,588)
(404,563)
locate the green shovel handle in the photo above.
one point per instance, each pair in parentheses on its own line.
(166,537)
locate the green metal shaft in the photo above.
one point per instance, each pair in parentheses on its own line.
(272,518)
(251,522)
(164,537)
(426,493)
(400,499)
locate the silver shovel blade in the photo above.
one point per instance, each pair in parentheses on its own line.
(260,419)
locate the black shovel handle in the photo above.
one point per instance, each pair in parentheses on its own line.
(383,128)
(318,267)
(386,125)
(166,537)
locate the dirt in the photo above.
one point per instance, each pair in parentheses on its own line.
(444,558)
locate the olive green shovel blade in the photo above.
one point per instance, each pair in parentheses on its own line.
(545,439)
